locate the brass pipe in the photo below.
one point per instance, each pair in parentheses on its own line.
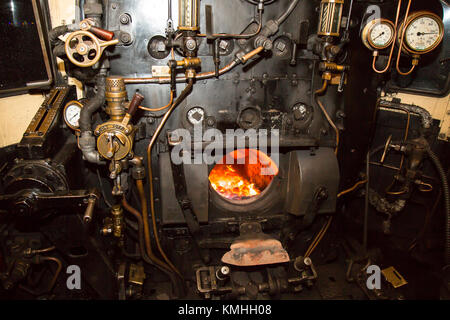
(182,96)
(200,76)
(161,108)
(251,54)
(415,60)
(143,199)
(166,80)
(392,46)
(58,271)
(325,113)
(145,246)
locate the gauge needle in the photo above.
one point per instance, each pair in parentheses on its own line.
(422,33)
(73,117)
(378,35)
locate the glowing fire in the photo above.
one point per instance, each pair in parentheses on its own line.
(243,173)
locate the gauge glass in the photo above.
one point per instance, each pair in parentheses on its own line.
(381,35)
(196,115)
(72,115)
(423,34)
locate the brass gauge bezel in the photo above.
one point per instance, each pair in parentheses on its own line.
(70,103)
(368,28)
(413,17)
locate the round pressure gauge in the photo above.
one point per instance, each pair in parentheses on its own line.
(72,112)
(196,115)
(424,32)
(378,34)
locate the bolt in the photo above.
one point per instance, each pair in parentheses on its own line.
(191,44)
(281,46)
(124,18)
(223,45)
(125,38)
(225,270)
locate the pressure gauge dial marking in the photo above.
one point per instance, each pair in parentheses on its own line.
(196,115)
(72,112)
(378,34)
(424,32)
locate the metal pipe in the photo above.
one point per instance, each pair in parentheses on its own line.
(144,256)
(155,136)
(166,80)
(366,202)
(427,119)
(286,14)
(87,140)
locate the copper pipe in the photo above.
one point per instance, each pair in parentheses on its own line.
(200,76)
(165,269)
(325,113)
(182,96)
(161,108)
(401,45)
(58,271)
(340,194)
(251,54)
(392,46)
(166,80)
(325,227)
(144,235)
(44,250)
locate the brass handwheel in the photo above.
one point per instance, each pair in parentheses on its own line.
(84,49)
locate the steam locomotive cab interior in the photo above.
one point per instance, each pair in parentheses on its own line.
(225,150)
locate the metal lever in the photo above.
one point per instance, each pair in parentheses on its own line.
(87,218)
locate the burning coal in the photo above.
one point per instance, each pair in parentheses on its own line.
(242,178)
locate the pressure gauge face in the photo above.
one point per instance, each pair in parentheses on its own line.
(196,115)
(72,112)
(378,34)
(424,32)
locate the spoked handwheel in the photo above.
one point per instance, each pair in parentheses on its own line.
(84,49)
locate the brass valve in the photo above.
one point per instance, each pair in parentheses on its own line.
(115,137)
(84,49)
(113,224)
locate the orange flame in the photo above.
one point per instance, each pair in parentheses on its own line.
(239,176)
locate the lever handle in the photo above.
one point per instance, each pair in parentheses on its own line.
(102,33)
(135,103)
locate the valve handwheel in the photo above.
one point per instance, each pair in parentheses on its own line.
(84,49)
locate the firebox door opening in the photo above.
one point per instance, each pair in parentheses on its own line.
(243,175)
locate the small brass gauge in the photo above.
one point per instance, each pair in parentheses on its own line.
(423,32)
(378,34)
(72,112)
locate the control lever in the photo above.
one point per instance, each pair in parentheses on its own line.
(87,218)
(88,25)
(132,107)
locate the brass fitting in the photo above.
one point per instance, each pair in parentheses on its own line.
(117,219)
(116,97)
(326,76)
(331,66)
(189,63)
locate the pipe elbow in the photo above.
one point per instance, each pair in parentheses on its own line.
(87,147)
